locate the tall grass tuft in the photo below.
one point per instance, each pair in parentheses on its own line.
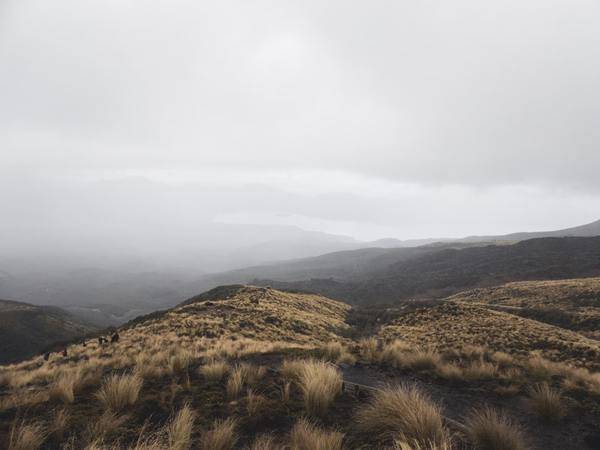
(119,391)
(222,436)
(490,430)
(307,436)
(179,430)
(547,402)
(26,436)
(403,413)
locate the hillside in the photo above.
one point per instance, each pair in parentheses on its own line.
(572,304)
(452,325)
(245,367)
(370,276)
(26,330)
(586,230)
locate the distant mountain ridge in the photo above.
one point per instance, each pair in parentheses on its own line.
(587,230)
(388,275)
(27,330)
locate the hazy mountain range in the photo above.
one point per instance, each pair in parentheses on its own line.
(110,293)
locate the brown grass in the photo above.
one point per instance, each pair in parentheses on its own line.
(120,391)
(367,349)
(108,424)
(265,442)
(547,402)
(222,436)
(179,430)
(214,370)
(307,436)
(235,382)
(26,436)
(404,413)
(490,430)
(320,383)
(63,389)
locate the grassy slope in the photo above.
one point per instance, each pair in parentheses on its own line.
(27,329)
(454,324)
(572,304)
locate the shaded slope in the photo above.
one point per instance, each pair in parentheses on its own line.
(442,272)
(26,330)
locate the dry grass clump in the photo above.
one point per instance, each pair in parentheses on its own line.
(502,359)
(403,413)
(320,383)
(400,355)
(307,436)
(367,349)
(222,436)
(179,430)
(265,442)
(255,404)
(108,424)
(547,402)
(26,436)
(480,370)
(235,382)
(489,430)
(60,424)
(337,352)
(214,370)
(449,371)
(180,361)
(63,389)
(120,391)
(415,445)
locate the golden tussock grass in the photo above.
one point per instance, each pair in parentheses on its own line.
(416,445)
(256,404)
(119,391)
(180,429)
(214,370)
(179,361)
(307,436)
(547,402)
(235,382)
(26,435)
(368,349)
(480,370)
(63,389)
(404,413)
(60,424)
(320,383)
(108,424)
(490,430)
(265,442)
(336,352)
(222,436)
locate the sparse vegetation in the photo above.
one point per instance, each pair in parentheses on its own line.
(490,430)
(403,413)
(180,429)
(207,357)
(26,435)
(120,391)
(222,436)
(547,402)
(307,436)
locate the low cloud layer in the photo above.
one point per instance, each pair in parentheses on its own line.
(129,118)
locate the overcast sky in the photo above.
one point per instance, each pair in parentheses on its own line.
(369,119)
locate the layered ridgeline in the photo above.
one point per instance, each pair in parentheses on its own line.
(254,367)
(27,330)
(380,275)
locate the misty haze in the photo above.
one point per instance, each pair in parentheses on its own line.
(306,225)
